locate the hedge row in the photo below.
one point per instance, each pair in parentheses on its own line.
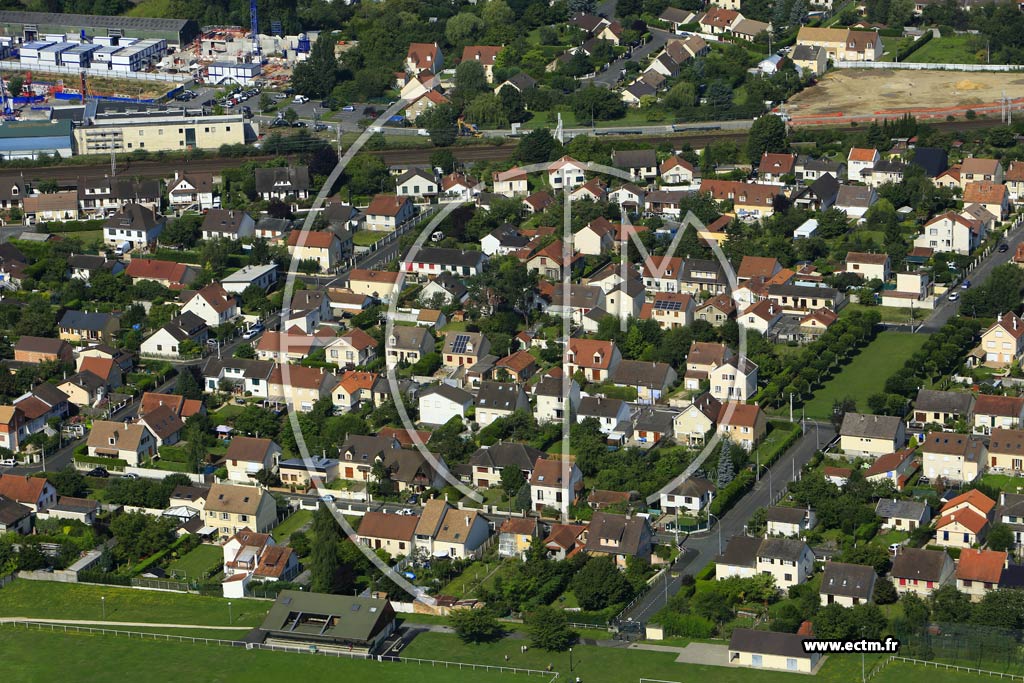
(902,55)
(732,492)
(70,226)
(108,463)
(768,456)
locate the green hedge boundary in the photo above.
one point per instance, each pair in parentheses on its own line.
(70,226)
(108,463)
(913,47)
(731,493)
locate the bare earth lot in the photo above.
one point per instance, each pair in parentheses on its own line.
(869,92)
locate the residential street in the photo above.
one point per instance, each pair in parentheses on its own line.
(699,550)
(610,76)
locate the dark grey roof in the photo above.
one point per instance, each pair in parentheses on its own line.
(640,89)
(508,235)
(91,262)
(805,53)
(694,487)
(932,159)
(848,580)
(134,217)
(956,402)
(634,158)
(549,386)
(597,406)
(251,368)
(409,338)
(825,187)
(642,373)
(822,165)
(449,392)
(889,166)
(889,508)
(12,512)
(193,493)
(365,448)
(920,564)
(49,393)
(522,81)
(87,380)
(498,395)
(1011,505)
(870,426)
(287,178)
(1012,576)
(788,645)
(692,266)
(338,212)
(331,618)
(126,188)
(223,220)
(82,320)
(451,284)
(854,196)
(789,549)
(94,21)
(632,533)
(502,455)
(741,551)
(651,420)
(785,515)
(415,173)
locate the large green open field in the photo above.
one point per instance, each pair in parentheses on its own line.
(866,373)
(31,656)
(50,600)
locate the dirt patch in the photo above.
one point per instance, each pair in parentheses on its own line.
(867,92)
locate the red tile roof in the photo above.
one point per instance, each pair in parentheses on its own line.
(316,239)
(975,498)
(980,565)
(1003,406)
(965,517)
(22,489)
(861,154)
(153,269)
(386,205)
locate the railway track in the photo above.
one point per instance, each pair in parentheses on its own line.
(420,155)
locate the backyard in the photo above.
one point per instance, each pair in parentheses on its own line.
(196,563)
(948,50)
(296,521)
(866,373)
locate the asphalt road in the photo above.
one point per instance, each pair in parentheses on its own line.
(611,76)
(700,550)
(946,309)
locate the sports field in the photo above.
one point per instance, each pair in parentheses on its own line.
(866,373)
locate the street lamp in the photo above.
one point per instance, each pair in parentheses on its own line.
(771,498)
(718,521)
(570,660)
(103,602)
(231,618)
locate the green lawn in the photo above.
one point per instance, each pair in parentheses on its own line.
(285,529)
(888,313)
(47,599)
(364,238)
(1004,482)
(946,50)
(197,562)
(866,373)
(38,656)
(227,412)
(478,574)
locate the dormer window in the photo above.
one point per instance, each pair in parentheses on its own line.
(112,441)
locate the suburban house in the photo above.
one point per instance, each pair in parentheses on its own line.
(940,407)
(15,518)
(868,266)
(227,224)
(378,284)
(895,467)
(596,359)
(847,584)
(951,232)
(921,571)
(650,379)
(980,571)
(231,509)
(247,455)
(739,558)
(441,402)
(167,273)
(641,164)
(697,420)
(306,621)
(408,344)
(464,349)
(551,488)
(733,380)
(165,425)
(566,173)
(771,650)
(871,435)
(83,326)
(743,424)
(619,537)
(550,397)
(692,495)
(213,304)
(432,261)
(954,457)
(964,520)
(391,533)
(902,515)
(997,412)
(191,191)
(790,522)
(1006,451)
(488,462)
(612,414)
(1003,342)
(134,224)
(35,493)
(35,350)
(322,246)
(790,561)
(444,531)
(510,183)
(132,442)
(282,182)
(387,212)
(515,536)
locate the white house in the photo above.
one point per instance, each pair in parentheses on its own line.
(552,487)
(566,173)
(440,403)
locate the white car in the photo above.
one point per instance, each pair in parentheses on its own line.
(954,296)
(300,99)
(423,132)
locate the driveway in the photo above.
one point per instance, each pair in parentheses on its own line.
(694,653)
(609,78)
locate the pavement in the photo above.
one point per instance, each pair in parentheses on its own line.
(698,551)
(610,77)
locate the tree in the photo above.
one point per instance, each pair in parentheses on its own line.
(682,95)
(463,29)
(317,75)
(187,385)
(140,535)
(470,80)
(601,104)
(324,561)
(443,159)
(15,84)
(512,479)
(1000,537)
(549,629)
(950,605)
(512,104)
(475,625)
(367,174)
(69,482)
(839,410)
(485,111)
(537,147)
(584,6)
(885,592)
(726,467)
(767,134)
(290,115)
(439,121)
(600,584)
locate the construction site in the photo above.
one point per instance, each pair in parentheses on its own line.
(850,95)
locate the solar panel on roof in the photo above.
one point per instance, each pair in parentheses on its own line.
(668,305)
(459,345)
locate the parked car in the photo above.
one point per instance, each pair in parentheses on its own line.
(131,475)
(319,127)
(252,331)
(98,472)
(280,123)
(8,462)
(348,107)
(954,296)
(299,124)
(300,99)
(328,498)
(966,284)
(1004,247)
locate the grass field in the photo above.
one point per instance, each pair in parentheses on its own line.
(866,373)
(1003,482)
(37,656)
(197,562)
(888,313)
(46,599)
(365,238)
(946,50)
(285,529)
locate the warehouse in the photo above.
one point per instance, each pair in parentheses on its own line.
(155,129)
(27,140)
(31,26)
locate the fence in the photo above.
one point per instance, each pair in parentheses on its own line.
(15,65)
(433,663)
(922,66)
(956,667)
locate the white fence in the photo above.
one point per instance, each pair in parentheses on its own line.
(922,66)
(148,473)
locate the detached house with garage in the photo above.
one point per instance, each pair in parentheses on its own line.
(641,164)
(596,359)
(132,443)
(488,462)
(566,173)
(191,191)
(228,225)
(692,495)
(246,456)
(619,537)
(231,509)
(212,304)
(443,531)
(905,515)
(387,212)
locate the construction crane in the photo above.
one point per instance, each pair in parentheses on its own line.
(255,30)
(468,128)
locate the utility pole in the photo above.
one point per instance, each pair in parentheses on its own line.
(790,406)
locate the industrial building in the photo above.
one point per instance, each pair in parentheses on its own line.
(244,73)
(100,129)
(113,54)
(30,139)
(26,27)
